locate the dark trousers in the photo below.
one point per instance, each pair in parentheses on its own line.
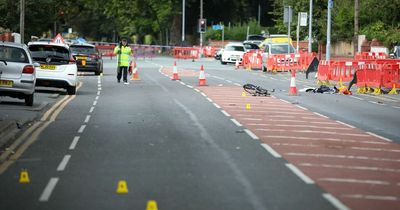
(123,69)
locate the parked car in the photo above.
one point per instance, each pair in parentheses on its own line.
(57,68)
(17,72)
(250,46)
(87,57)
(276,49)
(232,52)
(255,39)
(218,54)
(396,52)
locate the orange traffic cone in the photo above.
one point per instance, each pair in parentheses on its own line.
(292,88)
(135,73)
(175,75)
(202,77)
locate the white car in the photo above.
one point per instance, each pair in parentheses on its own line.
(57,66)
(232,53)
(17,72)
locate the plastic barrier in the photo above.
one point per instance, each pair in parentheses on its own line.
(376,74)
(252,59)
(106,50)
(186,53)
(343,71)
(209,51)
(370,56)
(288,62)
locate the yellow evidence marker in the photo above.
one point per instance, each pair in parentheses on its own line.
(122,187)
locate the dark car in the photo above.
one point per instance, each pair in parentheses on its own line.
(88,58)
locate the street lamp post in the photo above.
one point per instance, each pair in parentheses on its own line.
(328,37)
(310,27)
(22,20)
(183,21)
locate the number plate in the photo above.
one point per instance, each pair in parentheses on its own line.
(47,67)
(83,62)
(80,58)
(6,83)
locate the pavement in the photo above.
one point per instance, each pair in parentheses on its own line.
(15,116)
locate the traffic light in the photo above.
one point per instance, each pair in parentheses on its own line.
(202,25)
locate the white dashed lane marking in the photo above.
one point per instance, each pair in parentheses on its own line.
(48,190)
(82,128)
(74,142)
(63,163)
(271,151)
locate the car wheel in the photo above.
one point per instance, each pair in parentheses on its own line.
(29,100)
(97,72)
(223,63)
(71,90)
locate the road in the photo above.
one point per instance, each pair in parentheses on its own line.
(116,146)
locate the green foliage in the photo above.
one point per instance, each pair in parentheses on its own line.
(236,32)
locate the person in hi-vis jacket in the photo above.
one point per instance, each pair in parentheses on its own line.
(123,51)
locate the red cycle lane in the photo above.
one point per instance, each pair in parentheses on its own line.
(358,168)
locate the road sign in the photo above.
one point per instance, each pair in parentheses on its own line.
(217,27)
(58,39)
(287,14)
(303,18)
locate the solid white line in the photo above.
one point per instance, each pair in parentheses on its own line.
(285,101)
(300,174)
(273,78)
(335,202)
(48,190)
(236,122)
(94,103)
(369,182)
(216,105)
(87,118)
(345,124)
(228,81)
(301,107)
(396,107)
(74,142)
(371,197)
(225,113)
(378,136)
(82,128)
(321,115)
(91,109)
(237,84)
(251,134)
(197,90)
(63,163)
(203,94)
(209,99)
(357,98)
(271,151)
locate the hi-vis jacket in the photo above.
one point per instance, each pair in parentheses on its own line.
(123,54)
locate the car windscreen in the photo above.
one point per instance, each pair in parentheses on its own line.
(50,54)
(234,48)
(281,49)
(13,54)
(251,46)
(83,50)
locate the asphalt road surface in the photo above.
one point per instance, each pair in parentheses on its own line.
(181,146)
